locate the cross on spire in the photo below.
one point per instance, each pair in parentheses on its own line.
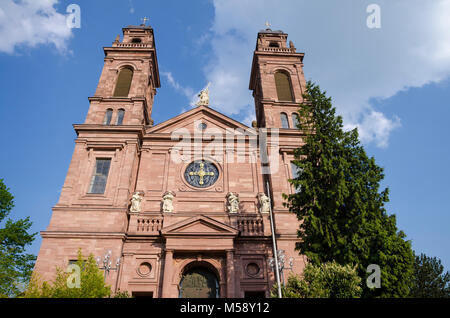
(268,25)
(144,19)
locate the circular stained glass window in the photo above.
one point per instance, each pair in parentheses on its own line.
(201,174)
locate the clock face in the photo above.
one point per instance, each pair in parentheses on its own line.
(201,174)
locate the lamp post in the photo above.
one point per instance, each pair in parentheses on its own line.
(281,263)
(107,264)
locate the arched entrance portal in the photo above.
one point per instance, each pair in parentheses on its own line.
(199,282)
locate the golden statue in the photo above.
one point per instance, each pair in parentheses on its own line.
(203,96)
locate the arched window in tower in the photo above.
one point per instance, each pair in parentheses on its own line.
(120,115)
(295,120)
(123,82)
(283,85)
(136,40)
(274,44)
(284,120)
(108,116)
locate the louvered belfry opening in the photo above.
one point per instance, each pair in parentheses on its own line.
(123,83)
(283,85)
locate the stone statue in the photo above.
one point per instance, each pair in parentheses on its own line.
(264,203)
(291,45)
(167,205)
(203,96)
(136,202)
(233,202)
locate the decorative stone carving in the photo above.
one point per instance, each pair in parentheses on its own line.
(167,204)
(144,269)
(203,96)
(264,203)
(136,200)
(252,269)
(291,45)
(232,202)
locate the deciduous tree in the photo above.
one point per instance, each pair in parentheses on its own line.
(15,265)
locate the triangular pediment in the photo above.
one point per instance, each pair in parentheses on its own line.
(202,114)
(199,226)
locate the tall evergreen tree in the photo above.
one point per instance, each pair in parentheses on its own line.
(429,278)
(339,202)
(15,264)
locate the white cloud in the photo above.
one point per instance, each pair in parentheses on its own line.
(184,90)
(30,23)
(131,7)
(353,63)
(375,127)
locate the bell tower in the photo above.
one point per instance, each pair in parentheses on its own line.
(128,82)
(277,80)
(106,156)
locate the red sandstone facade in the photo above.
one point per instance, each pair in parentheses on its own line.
(157,248)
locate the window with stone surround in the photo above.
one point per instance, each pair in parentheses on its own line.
(100,176)
(283,85)
(108,116)
(120,115)
(123,83)
(295,120)
(295,172)
(284,120)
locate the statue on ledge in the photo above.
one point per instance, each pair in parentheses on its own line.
(136,202)
(167,204)
(232,202)
(264,203)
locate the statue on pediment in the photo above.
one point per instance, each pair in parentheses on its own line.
(203,96)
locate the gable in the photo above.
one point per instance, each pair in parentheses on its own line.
(199,226)
(201,114)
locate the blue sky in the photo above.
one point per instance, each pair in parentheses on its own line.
(393,83)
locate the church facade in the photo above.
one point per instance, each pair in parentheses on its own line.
(184,205)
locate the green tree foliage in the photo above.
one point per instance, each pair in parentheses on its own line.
(15,265)
(122,294)
(329,280)
(339,202)
(429,278)
(91,282)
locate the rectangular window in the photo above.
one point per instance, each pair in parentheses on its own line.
(294,171)
(98,181)
(295,174)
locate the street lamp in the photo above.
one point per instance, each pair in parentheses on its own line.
(107,263)
(281,263)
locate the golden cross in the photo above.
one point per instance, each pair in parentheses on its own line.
(268,25)
(201,173)
(144,19)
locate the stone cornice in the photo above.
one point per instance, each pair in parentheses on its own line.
(135,129)
(67,234)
